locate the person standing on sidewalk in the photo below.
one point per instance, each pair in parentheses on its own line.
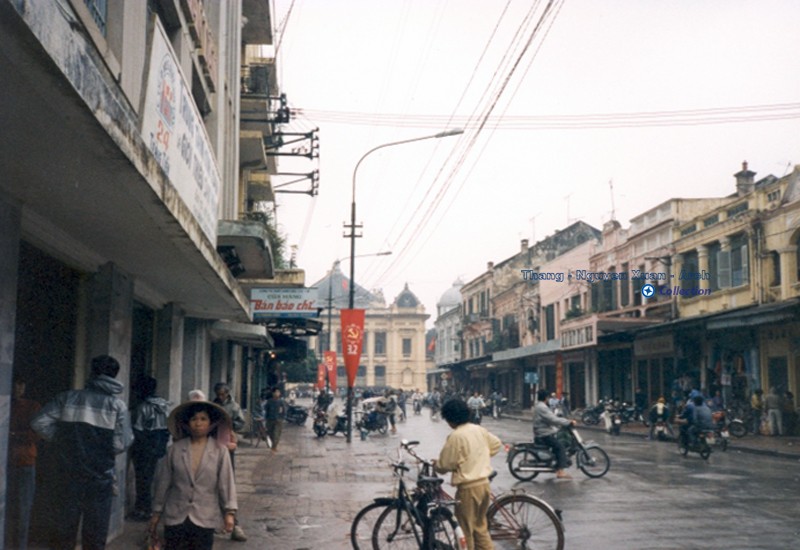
(150,438)
(757,409)
(466,454)
(195,492)
(274,413)
(87,428)
(21,474)
(774,406)
(225,400)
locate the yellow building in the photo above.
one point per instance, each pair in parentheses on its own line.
(735,268)
(393,353)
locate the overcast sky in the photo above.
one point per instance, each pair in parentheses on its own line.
(571,110)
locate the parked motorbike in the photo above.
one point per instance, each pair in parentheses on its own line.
(701,444)
(735,426)
(295,414)
(591,415)
(322,424)
(527,460)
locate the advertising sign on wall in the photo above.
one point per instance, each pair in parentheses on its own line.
(283,302)
(173,130)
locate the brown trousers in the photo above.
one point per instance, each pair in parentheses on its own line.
(471,506)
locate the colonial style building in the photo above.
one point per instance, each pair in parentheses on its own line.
(705,290)
(393,353)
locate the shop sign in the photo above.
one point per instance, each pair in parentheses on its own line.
(175,134)
(270,303)
(658,345)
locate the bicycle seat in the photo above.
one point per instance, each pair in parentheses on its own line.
(492,475)
(435,481)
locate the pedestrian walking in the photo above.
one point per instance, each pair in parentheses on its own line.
(789,414)
(225,400)
(195,491)
(21,473)
(150,438)
(87,429)
(274,413)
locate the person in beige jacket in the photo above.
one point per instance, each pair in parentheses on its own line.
(466,454)
(195,492)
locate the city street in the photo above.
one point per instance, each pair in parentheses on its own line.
(305,496)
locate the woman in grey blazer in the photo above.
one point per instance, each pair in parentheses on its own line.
(195,491)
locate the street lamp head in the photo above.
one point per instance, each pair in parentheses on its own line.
(448,133)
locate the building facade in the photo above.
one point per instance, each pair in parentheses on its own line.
(127,205)
(394,349)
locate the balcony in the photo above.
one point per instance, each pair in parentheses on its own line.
(246,248)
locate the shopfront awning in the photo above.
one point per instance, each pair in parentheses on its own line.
(527,351)
(245,333)
(756,315)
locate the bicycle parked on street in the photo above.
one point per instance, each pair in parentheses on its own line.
(516,519)
(416,518)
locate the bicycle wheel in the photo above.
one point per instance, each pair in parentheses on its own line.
(397,529)
(443,530)
(364,523)
(519,458)
(521,521)
(594,462)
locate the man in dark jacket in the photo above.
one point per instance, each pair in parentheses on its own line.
(150,438)
(87,428)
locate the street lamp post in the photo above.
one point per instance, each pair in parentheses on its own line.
(352,236)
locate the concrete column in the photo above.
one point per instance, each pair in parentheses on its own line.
(193,374)
(169,353)
(110,332)
(788,257)
(702,265)
(10,224)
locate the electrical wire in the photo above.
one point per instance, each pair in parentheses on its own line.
(471,142)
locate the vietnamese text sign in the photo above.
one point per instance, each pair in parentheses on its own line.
(283,302)
(173,130)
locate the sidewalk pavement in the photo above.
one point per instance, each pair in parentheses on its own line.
(305,496)
(302,497)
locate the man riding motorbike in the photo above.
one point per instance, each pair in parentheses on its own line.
(475,405)
(695,419)
(545,429)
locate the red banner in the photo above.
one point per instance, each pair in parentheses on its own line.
(330,365)
(321,376)
(352,323)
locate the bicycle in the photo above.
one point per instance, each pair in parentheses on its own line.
(516,520)
(412,519)
(258,431)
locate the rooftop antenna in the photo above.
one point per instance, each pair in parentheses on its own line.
(533,227)
(567,199)
(611,190)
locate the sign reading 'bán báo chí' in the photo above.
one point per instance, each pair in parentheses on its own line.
(283,302)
